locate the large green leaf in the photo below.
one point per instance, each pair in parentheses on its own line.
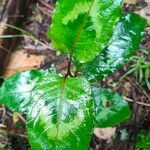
(59,110)
(111,109)
(123,44)
(84,27)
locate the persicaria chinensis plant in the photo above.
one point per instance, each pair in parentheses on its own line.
(62,110)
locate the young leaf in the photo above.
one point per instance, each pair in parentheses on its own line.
(123,44)
(111,109)
(84,27)
(59,110)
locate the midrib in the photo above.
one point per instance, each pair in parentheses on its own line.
(65,78)
(60,106)
(80,31)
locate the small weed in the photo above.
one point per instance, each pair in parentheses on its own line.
(140,69)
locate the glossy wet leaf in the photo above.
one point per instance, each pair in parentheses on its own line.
(111,109)
(84,27)
(124,42)
(59,111)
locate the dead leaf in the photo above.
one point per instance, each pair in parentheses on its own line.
(105,133)
(1,31)
(22,61)
(130,1)
(127,87)
(145,12)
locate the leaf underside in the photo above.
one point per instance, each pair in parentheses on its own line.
(124,42)
(84,27)
(111,109)
(59,111)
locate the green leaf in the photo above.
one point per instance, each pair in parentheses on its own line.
(84,27)
(124,43)
(111,109)
(143,140)
(59,110)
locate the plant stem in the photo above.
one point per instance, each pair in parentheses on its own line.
(69,68)
(75,42)
(140,103)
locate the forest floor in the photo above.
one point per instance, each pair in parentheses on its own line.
(34,50)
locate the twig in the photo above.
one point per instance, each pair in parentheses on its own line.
(27,34)
(140,103)
(49,6)
(49,14)
(22,119)
(139,88)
